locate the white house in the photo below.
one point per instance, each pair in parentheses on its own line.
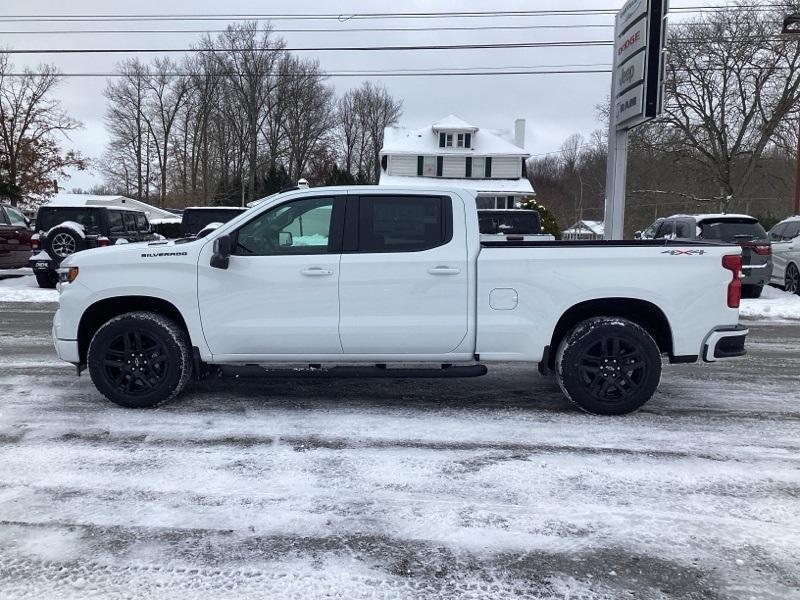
(454,153)
(585,230)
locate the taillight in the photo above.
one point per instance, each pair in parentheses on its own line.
(763,250)
(733,262)
(35,241)
(103,241)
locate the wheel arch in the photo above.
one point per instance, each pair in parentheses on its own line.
(106,309)
(643,313)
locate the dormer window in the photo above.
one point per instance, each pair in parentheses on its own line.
(445,140)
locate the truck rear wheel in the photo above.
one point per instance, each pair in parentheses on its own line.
(608,366)
(140,359)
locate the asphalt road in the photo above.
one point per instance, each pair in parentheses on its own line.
(482,488)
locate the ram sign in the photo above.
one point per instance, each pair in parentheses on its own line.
(640,35)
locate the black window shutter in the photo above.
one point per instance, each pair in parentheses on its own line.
(441,140)
(488,167)
(469,166)
(467,140)
(420,165)
(439,165)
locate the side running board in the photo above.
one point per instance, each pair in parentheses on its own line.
(369,372)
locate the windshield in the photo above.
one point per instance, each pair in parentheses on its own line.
(732,230)
(47,218)
(509,223)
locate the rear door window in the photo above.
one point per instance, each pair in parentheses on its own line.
(116,223)
(792,231)
(141,223)
(89,219)
(130,224)
(403,223)
(732,230)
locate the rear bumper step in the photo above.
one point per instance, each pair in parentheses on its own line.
(725,343)
(368,372)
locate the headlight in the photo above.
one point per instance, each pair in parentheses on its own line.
(67,274)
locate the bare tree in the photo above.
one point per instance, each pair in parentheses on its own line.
(31,120)
(731,82)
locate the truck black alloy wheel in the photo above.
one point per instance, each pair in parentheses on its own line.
(139,359)
(792,280)
(608,366)
(46,279)
(63,241)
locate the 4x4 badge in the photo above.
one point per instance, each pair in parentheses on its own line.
(684,252)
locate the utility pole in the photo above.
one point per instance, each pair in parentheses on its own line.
(796,207)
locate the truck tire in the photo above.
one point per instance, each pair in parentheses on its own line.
(752,291)
(63,241)
(46,279)
(608,366)
(140,359)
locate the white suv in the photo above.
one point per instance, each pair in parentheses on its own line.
(785,238)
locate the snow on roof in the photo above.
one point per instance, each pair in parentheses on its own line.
(483,186)
(595,227)
(707,216)
(452,122)
(62,200)
(399,140)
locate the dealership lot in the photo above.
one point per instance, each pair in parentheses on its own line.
(451,489)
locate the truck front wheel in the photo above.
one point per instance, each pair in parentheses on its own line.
(140,359)
(608,366)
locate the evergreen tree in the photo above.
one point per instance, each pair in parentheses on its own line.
(549,223)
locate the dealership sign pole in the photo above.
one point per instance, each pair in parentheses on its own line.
(636,94)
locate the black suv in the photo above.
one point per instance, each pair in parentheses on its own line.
(64,230)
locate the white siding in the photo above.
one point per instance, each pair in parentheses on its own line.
(509,167)
(403,165)
(454,166)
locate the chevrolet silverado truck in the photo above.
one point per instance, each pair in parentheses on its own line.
(387,282)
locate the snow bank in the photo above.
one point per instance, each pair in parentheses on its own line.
(774,304)
(25,289)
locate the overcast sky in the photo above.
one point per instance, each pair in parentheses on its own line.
(554,106)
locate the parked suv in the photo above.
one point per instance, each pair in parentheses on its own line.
(64,230)
(785,238)
(15,238)
(743,230)
(195,218)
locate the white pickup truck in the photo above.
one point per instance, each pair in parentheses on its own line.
(367,281)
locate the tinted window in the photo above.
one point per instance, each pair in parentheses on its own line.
(130,222)
(141,223)
(683,229)
(519,223)
(732,230)
(15,217)
(299,227)
(194,220)
(792,231)
(666,229)
(89,218)
(116,226)
(650,232)
(776,232)
(403,224)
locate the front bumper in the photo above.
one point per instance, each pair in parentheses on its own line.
(67,350)
(724,343)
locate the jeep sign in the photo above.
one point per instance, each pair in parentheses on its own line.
(638,61)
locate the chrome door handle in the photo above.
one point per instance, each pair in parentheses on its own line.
(441,270)
(316,272)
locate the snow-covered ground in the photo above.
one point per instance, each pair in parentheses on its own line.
(24,289)
(486,488)
(774,304)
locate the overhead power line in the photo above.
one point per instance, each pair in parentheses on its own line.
(317,30)
(344,17)
(415,47)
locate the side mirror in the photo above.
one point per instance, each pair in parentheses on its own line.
(285,239)
(222,252)
(637,235)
